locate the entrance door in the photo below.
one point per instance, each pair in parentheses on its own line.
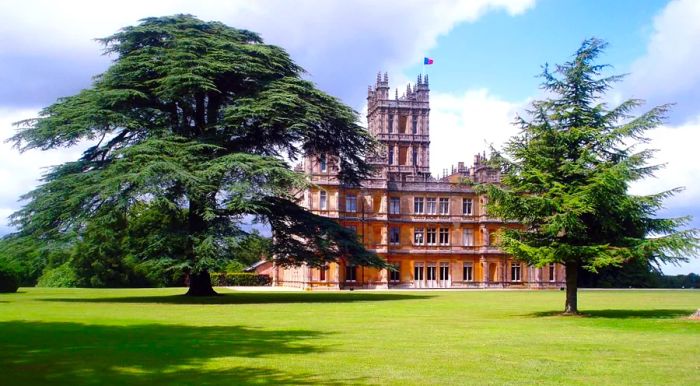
(431,276)
(445,281)
(418,276)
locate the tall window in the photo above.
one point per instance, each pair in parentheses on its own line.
(350,273)
(515,272)
(418,272)
(444,271)
(323,200)
(468,272)
(391,155)
(415,157)
(418,236)
(444,236)
(351,203)
(394,205)
(323,164)
(468,237)
(414,125)
(391,123)
(444,205)
(322,273)
(467,206)
(394,235)
(430,205)
(418,205)
(395,273)
(430,236)
(430,272)
(552,272)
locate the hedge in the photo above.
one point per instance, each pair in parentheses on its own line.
(8,281)
(226,279)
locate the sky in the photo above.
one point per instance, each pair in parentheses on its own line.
(487,55)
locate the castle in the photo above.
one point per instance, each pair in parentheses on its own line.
(434,231)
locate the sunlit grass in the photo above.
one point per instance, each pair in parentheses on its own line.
(156,336)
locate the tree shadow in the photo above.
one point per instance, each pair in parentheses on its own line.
(622,314)
(250,298)
(78,354)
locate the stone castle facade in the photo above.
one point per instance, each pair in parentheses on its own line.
(434,231)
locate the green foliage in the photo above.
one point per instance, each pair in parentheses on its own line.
(62,276)
(28,256)
(566,177)
(8,279)
(234,266)
(240,279)
(194,119)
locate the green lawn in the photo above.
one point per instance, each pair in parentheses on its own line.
(155,336)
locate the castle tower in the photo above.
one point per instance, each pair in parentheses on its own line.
(402,126)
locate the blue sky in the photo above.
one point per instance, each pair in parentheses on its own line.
(504,53)
(487,54)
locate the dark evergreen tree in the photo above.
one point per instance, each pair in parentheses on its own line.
(566,178)
(201,116)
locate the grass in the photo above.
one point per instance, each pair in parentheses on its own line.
(156,336)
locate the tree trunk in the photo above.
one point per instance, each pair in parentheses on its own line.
(200,285)
(200,282)
(571,305)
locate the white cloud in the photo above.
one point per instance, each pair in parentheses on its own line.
(464,125)
(340,42)
(669,71)
(21,172)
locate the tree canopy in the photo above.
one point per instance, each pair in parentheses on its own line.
(201,118)
(566,175)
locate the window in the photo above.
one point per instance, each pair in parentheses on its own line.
(322,273)
(394,205)
(351,203)
(444,271)
(552,272)
(394,235)
(467,206)
(323,200)
(430,274)
(323,165)
(391,124)
(430,205)
(430,236)
(391,155)
(352,228)
(515,272)
(468,237)
(418,272)
(415,157)
(395,273)
(414,124)
(468,272)
(444,236)
(350,273)
(418,205)
(418,236)
(444,205)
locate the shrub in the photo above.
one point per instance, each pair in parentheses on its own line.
(61,276)
(239,279)
(8,280)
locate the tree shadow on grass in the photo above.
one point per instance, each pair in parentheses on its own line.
(250,298)
(152,354)
(623,314)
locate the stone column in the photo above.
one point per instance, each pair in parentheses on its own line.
(484,271)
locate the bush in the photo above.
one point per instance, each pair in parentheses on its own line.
(8,280)
(227,279)
(61,276)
